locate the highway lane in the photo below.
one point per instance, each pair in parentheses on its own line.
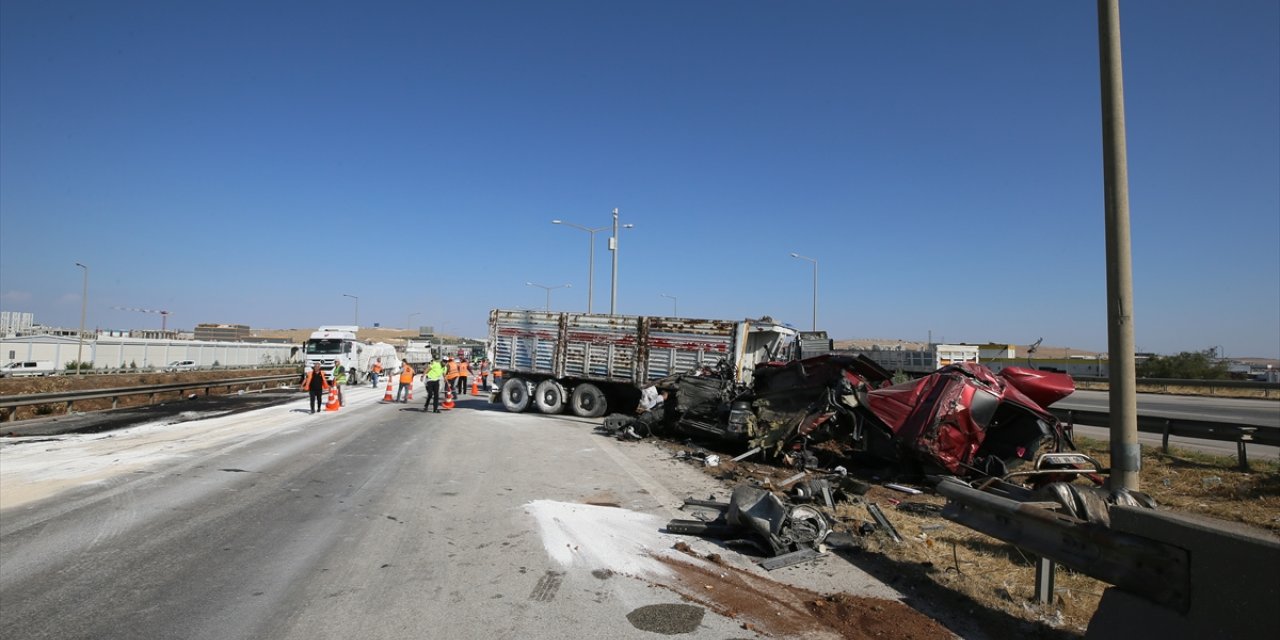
(1242,411)
(374,522)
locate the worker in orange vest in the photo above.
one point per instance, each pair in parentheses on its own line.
(406,381)
(464,372)
(451,375)
(375,371)
(316,384)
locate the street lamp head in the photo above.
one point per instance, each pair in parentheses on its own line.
(795,255)
(628,226)
(557,222)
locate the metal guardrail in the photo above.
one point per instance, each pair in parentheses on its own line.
(69,398)
(1173,386)
(1241,434)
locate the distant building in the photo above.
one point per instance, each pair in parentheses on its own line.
(223,332)
(14,322)
(992,350)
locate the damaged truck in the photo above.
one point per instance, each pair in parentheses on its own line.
(960,420)
(594,363)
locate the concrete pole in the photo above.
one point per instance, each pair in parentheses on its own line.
(84,304)
(1126,455)
(591,266)
(613,285)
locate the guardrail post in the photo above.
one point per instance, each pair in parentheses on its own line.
(115,401)
(1168,426)
(1246,436)
(1045,568)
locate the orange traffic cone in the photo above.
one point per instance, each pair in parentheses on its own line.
(333,400)
(475,388)
(448,399)
(410,391)
(387,396)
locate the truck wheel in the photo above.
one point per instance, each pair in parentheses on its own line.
(515,395)
(588,401)
(549,396)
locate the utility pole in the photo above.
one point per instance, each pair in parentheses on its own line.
(84,303)
(613,246)
(1126,455)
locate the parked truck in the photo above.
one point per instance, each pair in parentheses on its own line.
(419,352)
(592,363)
(331,345)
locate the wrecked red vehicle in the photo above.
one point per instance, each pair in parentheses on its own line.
(963,419)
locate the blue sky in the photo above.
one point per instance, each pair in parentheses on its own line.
(252,162)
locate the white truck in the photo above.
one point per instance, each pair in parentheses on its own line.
(590,362)
(419,352)
(333,344)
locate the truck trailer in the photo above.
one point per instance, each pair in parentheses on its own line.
(594,363)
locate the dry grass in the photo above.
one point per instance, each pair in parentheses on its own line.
(991,582)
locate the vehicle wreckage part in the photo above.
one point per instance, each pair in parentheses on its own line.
(1155,570)
(740,417)
(1091,504)
(898,487)
(515,395)
(788,559)
(549,396)
(806,526)
(784,529)
(748,454)
(587,401)
(691,502)
(883,522)
(715,529)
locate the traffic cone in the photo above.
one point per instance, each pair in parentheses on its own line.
(333,400)
(475,388)
(387,396)
(410,391)
(448,399)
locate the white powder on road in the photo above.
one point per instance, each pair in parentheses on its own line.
(36,467)
(595,537)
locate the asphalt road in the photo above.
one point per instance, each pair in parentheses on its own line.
(1242,411)
(378,521)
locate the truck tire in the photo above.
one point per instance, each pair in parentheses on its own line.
(588,401)
(549,396)
(515,395)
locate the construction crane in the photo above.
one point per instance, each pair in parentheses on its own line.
(164,315)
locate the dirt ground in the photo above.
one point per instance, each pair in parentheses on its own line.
(958,571)
(65,383)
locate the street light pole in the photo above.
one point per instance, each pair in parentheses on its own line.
(815,287)
(548,290)
(408,324)
(84,304)
(613,246)
(675,309)
(357,299)
(591,256)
